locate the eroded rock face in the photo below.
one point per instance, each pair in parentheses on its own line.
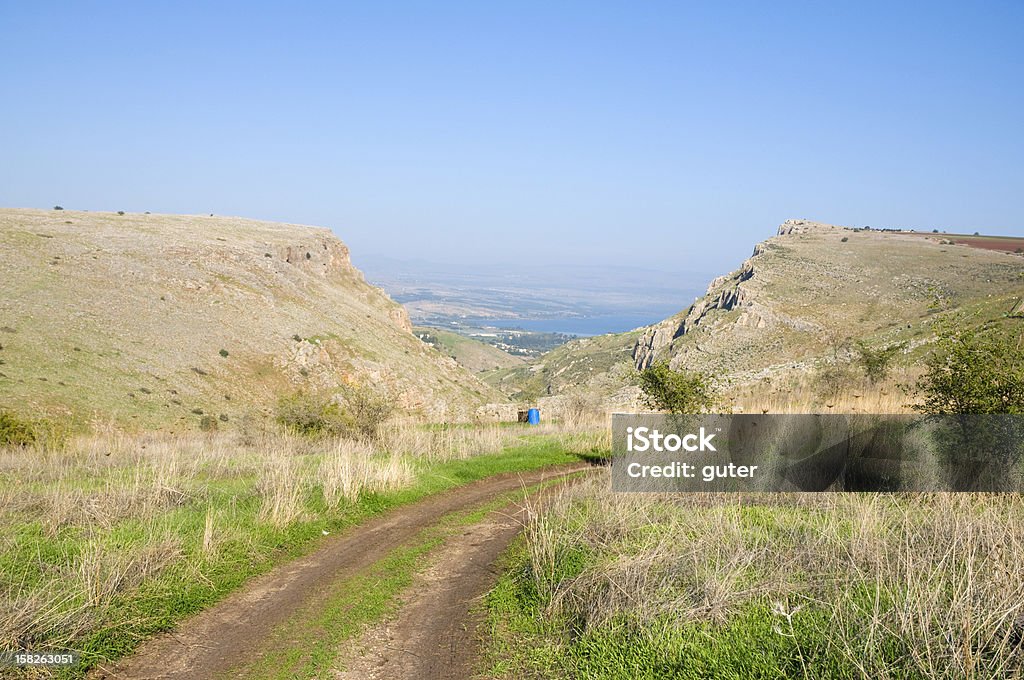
(738,291)
(724,294)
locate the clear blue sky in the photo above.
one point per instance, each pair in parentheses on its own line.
(672,133)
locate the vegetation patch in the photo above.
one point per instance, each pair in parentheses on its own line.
(606,585)
(350,412)
(116,538)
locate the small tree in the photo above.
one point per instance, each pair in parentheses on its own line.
(971,377)
(677,391)
(876,362)
(367,410)
(973,371)
(834,373)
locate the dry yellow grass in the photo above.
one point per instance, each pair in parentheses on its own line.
(801,393)
(934,576)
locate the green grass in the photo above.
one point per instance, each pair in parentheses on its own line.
(755,641)
(602,586)
(188,578)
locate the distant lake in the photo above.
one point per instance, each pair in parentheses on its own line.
(590,325)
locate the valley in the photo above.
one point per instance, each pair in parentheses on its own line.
(224,427)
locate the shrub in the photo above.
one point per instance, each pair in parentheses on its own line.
(973,370)
(676,391)
(57,207)
(15,431)
(120,212)
(845,239)
(18,431)
(224,353)
(876,362)
(355,412)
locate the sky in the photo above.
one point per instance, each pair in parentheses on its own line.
(671,135)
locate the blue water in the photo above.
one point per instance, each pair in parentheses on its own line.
(592,325)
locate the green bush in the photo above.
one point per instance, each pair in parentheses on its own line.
(832,378)
(15,431)
(355,412)
(876,363)
(973,370)
(677,391)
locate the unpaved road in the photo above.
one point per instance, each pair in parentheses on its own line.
(434,634)
(432,637)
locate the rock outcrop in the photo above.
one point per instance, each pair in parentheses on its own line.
(725,294)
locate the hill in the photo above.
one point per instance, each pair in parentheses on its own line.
(797,302)
(470,353)
(806,291)
(596,363)
(161,319)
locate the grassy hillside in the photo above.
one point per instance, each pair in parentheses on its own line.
(594,363)
(807,291)
(472,354)
(798,302)
(162,319)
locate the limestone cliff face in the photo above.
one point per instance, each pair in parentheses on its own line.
(322,255)
(724,294)
(782,312)
(804,227)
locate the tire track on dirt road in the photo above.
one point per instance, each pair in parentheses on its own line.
(228,638)
(436,633)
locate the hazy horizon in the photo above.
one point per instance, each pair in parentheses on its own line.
(656,136)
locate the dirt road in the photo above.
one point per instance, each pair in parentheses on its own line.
(434,633)
(432,636)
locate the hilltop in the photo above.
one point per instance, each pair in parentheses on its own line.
(797,302)
(161,319)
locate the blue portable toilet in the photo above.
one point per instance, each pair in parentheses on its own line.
(533,416)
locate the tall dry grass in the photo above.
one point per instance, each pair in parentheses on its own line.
(934,576)
(802,393)
(86,524)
